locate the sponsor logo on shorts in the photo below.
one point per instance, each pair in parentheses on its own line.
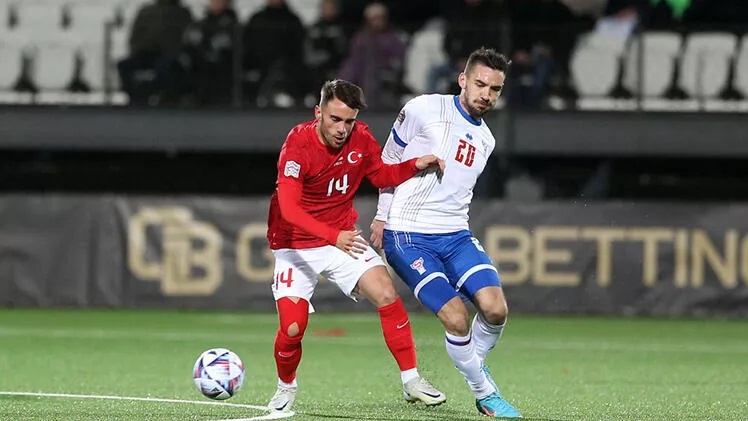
(417,265)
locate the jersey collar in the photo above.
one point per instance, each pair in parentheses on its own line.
(464,113)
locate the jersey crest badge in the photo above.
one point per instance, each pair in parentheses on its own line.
(292,169)
(417,265)
(354,157)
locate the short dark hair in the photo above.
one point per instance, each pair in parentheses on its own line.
(488,57)
(350,93)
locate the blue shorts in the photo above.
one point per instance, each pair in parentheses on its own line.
(439,267)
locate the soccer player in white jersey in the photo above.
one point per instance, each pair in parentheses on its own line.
(423,223)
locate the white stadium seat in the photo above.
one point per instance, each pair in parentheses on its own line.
(11,61)
(53,65)
(741,68)
(595,63)
(705,64)
(92,66)
(660,50)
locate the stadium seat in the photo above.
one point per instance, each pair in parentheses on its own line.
(741,68)
(424,52)
(595,63)
(660,50)
(11,62)
(705,64)
(53,65)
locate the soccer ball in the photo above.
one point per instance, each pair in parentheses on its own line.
(218,373)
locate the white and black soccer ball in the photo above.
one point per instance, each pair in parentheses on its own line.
(218,373)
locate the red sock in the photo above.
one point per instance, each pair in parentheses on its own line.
(398,334)
(287,350)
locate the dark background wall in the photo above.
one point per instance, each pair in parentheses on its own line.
(562,155)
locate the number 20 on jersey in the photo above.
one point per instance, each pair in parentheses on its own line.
(465,153)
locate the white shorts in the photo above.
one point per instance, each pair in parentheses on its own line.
(296,270)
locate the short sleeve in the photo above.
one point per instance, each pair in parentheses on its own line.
(292,162)
(407,124)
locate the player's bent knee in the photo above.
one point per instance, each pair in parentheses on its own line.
(293,329)
(383,297)
(376,285)
(293,316)
(454,317)
(389,294)
(496,315)
(492,305)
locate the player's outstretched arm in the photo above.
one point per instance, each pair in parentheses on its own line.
(430,161)
(384,175)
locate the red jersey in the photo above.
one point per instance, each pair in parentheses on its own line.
(313,199)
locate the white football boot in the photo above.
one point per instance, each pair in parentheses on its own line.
(419,389)
(283,399)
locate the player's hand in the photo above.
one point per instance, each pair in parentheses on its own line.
(377,228)
(429,161)
(351,243)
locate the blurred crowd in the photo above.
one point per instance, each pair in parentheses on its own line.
(273,59)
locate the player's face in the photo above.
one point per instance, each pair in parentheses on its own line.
(334,122)
(481,87)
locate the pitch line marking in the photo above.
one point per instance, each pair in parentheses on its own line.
(271,416)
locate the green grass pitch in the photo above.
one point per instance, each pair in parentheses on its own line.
(551,368)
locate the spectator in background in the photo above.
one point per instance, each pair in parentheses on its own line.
(326,45)
(375,58)
(273,54)
(152,73)
(471,24)
(542,39)
(408,15)
(210,45)
(620,17)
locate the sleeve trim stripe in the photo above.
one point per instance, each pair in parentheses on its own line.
(397,139)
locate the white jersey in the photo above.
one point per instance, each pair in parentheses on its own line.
(432,202)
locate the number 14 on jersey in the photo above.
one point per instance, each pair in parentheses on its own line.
(341,185)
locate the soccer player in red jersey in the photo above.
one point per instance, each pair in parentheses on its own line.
(311,232)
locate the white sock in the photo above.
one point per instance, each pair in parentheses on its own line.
(462,351)
(408,375)
(284,384)
(485,336)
